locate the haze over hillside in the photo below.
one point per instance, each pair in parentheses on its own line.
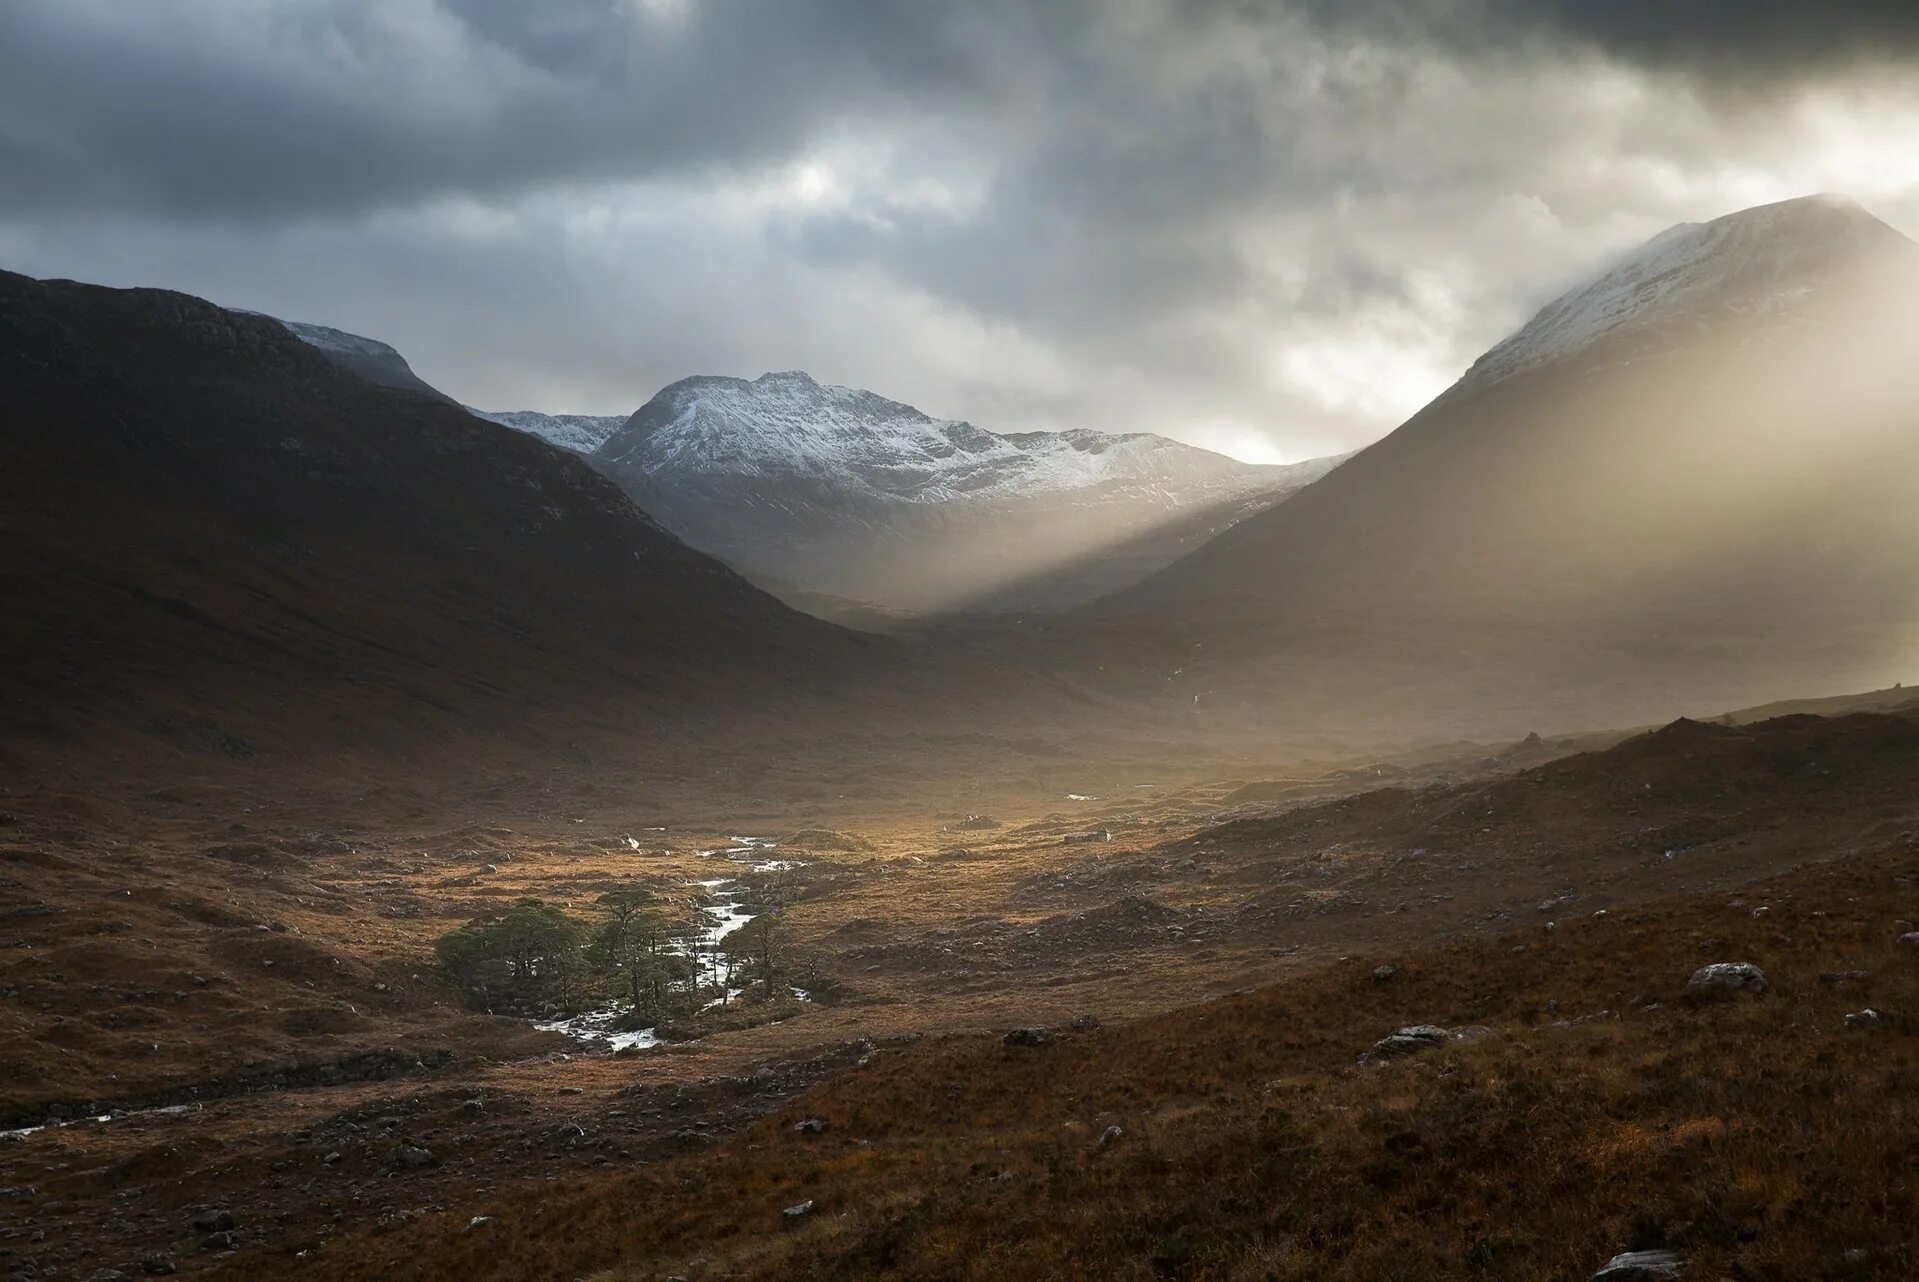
(1695,477)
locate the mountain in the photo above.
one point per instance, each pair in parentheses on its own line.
(580,433)
(214,537)
(371,359)
(1694,477)
(841,492)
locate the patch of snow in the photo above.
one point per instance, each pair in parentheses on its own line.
(579,433)
(1753,262)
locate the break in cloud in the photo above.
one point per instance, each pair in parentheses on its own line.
(1272,228)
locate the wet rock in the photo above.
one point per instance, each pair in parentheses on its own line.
(410,1157)
(1727,979)
(215,1221)
(1027,1037)
(1409,1040)
(810,1125)
(1641,1266)
(1384,974)
(798,1211)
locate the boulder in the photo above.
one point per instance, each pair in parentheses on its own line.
(219,1220)
(1083,1023)
(1410,1040)
(1727,979)
(810,1125)
(798,1211)
(1867,1018)
(1028,1037)
(1641,1266)
(1382,974)
(410,1157)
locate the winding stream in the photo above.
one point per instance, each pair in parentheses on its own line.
(724,915)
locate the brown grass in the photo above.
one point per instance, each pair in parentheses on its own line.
(1762,1138)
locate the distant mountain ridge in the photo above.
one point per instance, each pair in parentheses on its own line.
(843,492)
(578,433)
(860,507)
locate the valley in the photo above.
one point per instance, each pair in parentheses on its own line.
(271,984)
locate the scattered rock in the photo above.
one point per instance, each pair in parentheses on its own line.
(478,1221)
(1028,1037)
(1727,979)
(157,1265)
(1083,1023)
(1641,1266)
(1384,974)
(976,823)
(1911,938)
(222,1241)
(810,1125)
(410,1157)
(799,1211)
(1086,838)
(1410,1040)
(1867,1018)
(215,1221)
(1842,978)
(333,1159)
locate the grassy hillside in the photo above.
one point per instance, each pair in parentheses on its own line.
(1762,1138)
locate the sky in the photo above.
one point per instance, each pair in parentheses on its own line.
(1273,229)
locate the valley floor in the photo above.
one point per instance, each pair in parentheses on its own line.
(261,968)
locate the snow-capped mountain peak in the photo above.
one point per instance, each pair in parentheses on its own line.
(787,424)
(1751,262)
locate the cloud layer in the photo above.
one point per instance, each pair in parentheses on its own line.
(1270,228)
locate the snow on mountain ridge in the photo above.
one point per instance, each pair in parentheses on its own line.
(1753,261)
(787,425)
(579,433)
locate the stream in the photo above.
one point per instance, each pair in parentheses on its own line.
(724,915)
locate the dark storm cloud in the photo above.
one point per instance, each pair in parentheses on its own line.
(1741,37)
(1232,220)
(1737,42)
(259,109)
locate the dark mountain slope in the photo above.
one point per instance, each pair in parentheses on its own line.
(213,536)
